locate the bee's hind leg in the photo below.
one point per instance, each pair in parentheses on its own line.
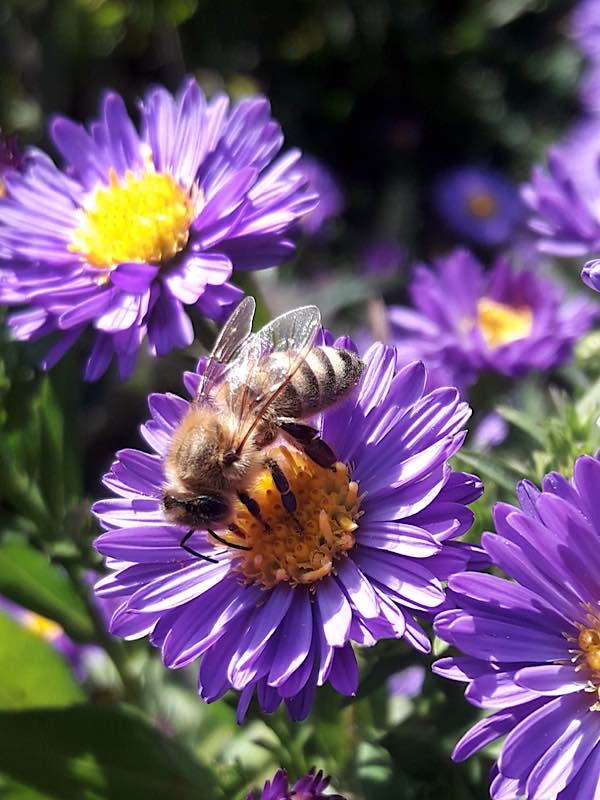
(310,442)
(288,498)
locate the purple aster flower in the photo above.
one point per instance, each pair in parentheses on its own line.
(466,321)
(377,540)
(311,787)
(322,182)
(478,204)
(383,258)
(532,645)
(141,224)
(11,158)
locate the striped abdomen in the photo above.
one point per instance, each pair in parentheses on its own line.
(324,378)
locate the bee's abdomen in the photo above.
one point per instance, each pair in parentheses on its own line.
(325,377)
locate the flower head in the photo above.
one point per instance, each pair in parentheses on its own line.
(564,197)
(370,545)
(142,224)
(323,183)
(532,645)
(311,787)
(478,204)
(466,321)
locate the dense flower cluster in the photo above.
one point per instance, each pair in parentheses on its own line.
(140,225)
(377,541)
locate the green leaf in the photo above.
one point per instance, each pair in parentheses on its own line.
(492,468)
(28,578)
(523,422)
(32,673)
(91,753)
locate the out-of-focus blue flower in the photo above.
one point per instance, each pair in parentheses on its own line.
(477,204)
(322,183)
(408,682)
(279,616)
(383,258)
(311,787)
(466,321)
(142,224)
(532,645)
(490,432)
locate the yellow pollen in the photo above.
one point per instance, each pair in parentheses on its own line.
(42,626)
(303,548)
(586,651)
(137,218)
(481,205)
(501,324)
(2,188)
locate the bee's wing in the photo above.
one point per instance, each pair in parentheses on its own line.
(266,363)
(233,335)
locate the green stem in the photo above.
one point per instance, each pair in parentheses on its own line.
(113,647)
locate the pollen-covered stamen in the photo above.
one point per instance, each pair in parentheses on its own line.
(586,653)
(328,507)
(136,218)
(502,324)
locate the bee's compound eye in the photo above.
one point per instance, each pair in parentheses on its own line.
(211,507)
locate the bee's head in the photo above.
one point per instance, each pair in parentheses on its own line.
(202,511)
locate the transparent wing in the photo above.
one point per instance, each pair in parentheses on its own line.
(234,333)
(267,362)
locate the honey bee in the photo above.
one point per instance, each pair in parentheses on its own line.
(255,387)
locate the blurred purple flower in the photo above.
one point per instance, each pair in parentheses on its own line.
(585,27)
(532,646)
(75,654)
(311,787)
(11,158)
(321,182)
(279,616)
(408,682)
(490,431)
(565,196)
(478,204)
(140,225)
(466,321)
(383,258)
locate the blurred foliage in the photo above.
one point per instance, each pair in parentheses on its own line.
(388,94)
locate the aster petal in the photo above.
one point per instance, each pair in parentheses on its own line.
(335,611)
(294,639)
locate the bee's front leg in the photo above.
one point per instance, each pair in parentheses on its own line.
(253,508)
(183,544)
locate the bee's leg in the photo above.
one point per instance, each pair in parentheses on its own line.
(309,440)
(253,508)
(191,550)
(288,498)
(234,529)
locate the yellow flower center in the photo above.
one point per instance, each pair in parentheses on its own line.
(137,218)
(42,626)
(303,548)
(2,188)
(481,204)
(501,324)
